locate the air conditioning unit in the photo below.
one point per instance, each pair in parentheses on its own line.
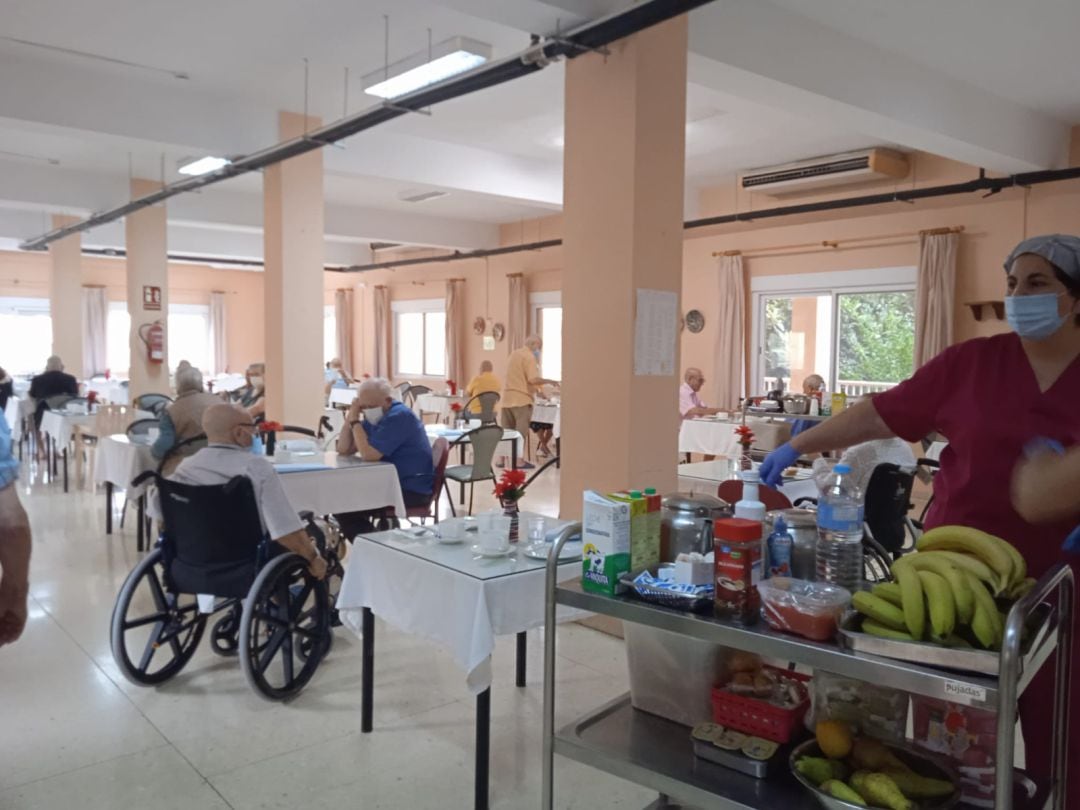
(832,170)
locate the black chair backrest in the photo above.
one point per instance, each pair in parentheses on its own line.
(487,402)
(185,448)
(140,427)
(57,401)
(888,499)
(212,536)
(155,403)
(413,392)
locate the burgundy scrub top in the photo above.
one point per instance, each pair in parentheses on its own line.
(982,395)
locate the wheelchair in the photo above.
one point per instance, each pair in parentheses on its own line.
(271,612)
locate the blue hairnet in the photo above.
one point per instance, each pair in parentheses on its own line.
(1061,250)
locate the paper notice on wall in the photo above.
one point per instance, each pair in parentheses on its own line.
(656,328)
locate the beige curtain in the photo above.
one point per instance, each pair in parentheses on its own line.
(219,353)
(731,334)
(517,327)
(382,331)
(95,316)
(935,294)
(343,319)
(455,337)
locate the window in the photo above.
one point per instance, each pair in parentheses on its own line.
(419,338)
(189,335)
(547,324)
(117,337)
(329,333)
(856,329)
(25,334)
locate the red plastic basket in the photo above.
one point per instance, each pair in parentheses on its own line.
(757,717)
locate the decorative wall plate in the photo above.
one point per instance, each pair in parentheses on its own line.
(479,325)
(498,331)
(695,321)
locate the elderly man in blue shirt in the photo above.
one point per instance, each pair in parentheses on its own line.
(389,431)
(14,545)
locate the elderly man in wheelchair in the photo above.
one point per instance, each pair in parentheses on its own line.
(230,545)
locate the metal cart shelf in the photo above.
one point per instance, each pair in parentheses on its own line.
(657,753)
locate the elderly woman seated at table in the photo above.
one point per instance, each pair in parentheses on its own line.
(336,376)
(252,396)
(389,431)
(182,419)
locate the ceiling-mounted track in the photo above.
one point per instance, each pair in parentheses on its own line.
(589,37)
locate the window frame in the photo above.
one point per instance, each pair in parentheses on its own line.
(833,283)
(413,306)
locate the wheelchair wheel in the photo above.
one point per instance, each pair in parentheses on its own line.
(225,634)
(285,628)
(154,632)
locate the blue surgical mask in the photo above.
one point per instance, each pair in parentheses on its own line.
(257,445)
(1034,316)
(536,353)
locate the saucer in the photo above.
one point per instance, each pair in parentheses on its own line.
(541,551)
(492,552)
(448,541)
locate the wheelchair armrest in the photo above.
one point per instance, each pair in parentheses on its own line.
(933,464)
(143,477)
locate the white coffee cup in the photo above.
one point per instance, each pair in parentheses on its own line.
(451,530)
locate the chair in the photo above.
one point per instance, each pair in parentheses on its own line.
(181,450)
(487,402)
(141,427)
(888,502)
(403,390)
(440,452)
(484,440)
(415,391)
(276,615)
(154,403)
(731,491)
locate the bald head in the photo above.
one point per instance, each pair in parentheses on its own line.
(228,424)
(486,367)
(694,378)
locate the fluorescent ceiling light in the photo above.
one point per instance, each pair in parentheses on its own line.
(449,58)
(203,165)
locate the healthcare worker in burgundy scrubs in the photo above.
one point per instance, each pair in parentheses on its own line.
(996,400)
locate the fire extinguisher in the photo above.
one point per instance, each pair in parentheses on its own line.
(153,335)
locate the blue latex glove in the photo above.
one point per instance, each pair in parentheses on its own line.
(1072,542)
(772,468)
(1040,445)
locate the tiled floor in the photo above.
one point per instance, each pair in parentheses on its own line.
(75,734)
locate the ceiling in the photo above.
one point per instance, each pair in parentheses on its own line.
(97,98)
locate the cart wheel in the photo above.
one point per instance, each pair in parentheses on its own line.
(284,629)
(153,632)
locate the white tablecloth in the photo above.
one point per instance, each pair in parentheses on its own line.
(115,392)
(14,419)
(345,484)
(61,426)
(442,594)
(342,396)
(438,404)
(704,477)
(707,436)
(120,460)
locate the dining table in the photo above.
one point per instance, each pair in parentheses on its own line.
(705,477)
(441,405)
(424,582)
(120,460)
(325,482)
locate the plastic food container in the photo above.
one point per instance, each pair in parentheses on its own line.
(760,717)
(810,609)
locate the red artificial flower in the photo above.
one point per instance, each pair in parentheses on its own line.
(456,406)
(511,485)
(270,427)
(745,434)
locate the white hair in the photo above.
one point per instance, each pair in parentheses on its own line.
(54,363)
(188,379)
(380,385)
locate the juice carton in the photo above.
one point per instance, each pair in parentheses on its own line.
(605,537)
(641,551)
(839,402)
(653,523)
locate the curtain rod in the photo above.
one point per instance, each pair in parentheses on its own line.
(835,243)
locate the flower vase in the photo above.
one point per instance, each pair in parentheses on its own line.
(746,462)
(510,509)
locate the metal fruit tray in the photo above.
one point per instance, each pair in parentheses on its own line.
(916,760)
(1040,629)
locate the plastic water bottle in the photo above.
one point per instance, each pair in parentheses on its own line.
(840,530)
(779,546)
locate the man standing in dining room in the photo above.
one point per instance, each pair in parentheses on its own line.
(690,404)
(389,431)
(523,380)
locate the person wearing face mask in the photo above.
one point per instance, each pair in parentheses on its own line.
(389,431)
(230,433)
(253,395)
(994,399)
(523,380)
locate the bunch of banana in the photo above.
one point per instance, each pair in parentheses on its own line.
(947,589)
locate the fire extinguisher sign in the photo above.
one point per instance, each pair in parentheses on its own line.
(151,297)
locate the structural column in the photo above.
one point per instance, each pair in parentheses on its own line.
(145,233)
(65,298)
(293,258)
(622,207)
